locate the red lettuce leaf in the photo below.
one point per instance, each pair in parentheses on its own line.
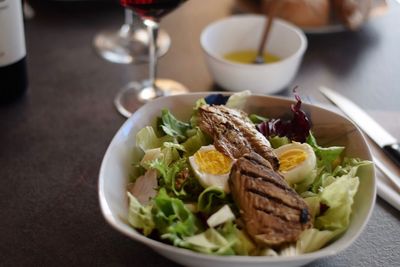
(297,129)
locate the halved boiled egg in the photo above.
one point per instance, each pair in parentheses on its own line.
(211,167)
(297,161)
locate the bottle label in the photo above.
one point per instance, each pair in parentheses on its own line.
(12,41)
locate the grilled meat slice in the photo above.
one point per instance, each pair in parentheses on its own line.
(233,133)
(273,213)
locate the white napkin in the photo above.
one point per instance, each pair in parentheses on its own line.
(387,193)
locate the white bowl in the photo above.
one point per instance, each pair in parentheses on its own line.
(329,127)
(243,32)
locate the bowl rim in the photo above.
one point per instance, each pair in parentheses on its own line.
(299,52)
(157,245)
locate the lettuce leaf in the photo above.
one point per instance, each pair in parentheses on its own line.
(349,166)
(224,240)
(242,244)
(277,141)
(168,173)
(256,119)
(136,168)
(174,145)
(151,155)
(172,126)
(173,220)
(322,180)
(169,155)
(140,217)
(327,156)
(147,139)
(195,115)
(193,143)
(304,185)
(313,239)
(211,242)
(238,100)
(338,196)
(211,199)
(353,166)
(314,206)
(331,203)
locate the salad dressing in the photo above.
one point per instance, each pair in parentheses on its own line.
(248,57)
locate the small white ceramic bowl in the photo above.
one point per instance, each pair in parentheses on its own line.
(243,32)
(330,129)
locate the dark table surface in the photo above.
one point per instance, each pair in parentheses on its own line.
(52,141)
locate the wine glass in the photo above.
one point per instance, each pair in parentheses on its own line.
(137,93)
(130,43)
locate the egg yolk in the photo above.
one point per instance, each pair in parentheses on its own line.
(291,158)
(212,162)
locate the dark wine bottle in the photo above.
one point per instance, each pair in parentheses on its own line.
(13,72)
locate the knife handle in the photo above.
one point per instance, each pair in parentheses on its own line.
(393,151)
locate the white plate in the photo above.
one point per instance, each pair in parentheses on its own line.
(331,28)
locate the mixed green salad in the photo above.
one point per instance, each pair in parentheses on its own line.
(178,192)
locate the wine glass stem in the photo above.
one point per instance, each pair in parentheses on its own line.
(152,27)
(128,16)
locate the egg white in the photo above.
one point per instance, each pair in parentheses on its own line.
(304,169)
(208,179)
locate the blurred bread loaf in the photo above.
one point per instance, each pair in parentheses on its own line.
(318,13)
(352,13)
(304,13)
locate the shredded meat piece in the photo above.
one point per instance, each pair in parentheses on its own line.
(234,135)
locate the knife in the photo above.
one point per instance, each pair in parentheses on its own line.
(378,134)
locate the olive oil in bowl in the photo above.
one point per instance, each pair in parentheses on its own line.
(248,57)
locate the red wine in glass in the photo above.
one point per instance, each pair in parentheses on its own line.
(152,9)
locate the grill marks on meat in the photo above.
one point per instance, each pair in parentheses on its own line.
(273,213)
(234,135)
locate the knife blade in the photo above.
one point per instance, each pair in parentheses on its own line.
(377,133)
